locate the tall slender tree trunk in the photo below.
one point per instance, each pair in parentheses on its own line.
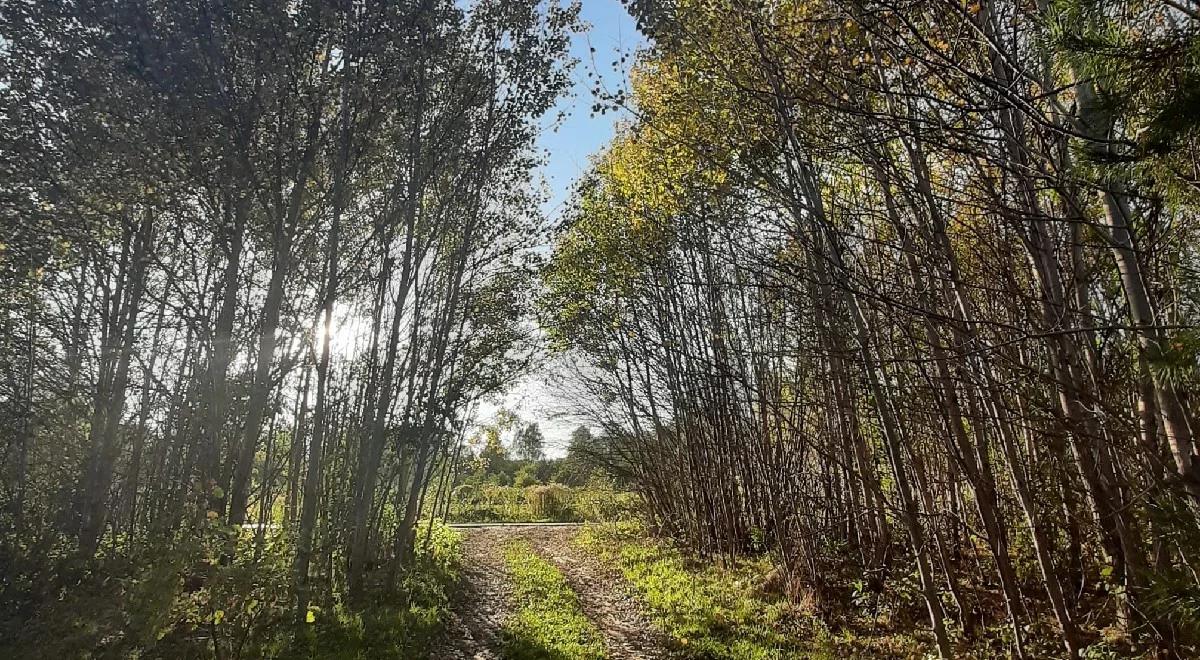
(283,233)
(111,391)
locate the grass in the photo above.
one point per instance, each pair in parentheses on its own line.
(707,612)
(717,612)
(549,623)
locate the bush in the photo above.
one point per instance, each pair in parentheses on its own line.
(186,597)
(526,476)
(605,505)
(551,501)
(467,494)
(398,628)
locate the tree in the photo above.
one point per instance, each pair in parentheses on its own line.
(254,251)
(856,267)
(493,454)
(528,443)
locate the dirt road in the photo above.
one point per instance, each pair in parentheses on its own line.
(484,601)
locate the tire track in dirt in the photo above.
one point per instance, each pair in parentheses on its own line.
(484,599)
(482,603)
(605,598)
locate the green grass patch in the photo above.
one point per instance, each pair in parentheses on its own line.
(549,623)
(707,611)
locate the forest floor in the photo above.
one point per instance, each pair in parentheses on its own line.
(485,603)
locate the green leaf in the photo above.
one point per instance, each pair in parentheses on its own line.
(311,617)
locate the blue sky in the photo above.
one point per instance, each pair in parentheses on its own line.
(613,34)
(611,31)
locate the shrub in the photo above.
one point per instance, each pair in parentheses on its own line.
(397,628)
(526,476)
(467,494)
(551,501)
(556,502)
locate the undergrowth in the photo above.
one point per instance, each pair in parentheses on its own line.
(540,502)
(716,611)
(402,626)
(724,611)
(185,597)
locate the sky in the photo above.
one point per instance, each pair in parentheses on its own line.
(612,33)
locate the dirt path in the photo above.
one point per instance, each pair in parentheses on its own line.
(484,602)
(627,632)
